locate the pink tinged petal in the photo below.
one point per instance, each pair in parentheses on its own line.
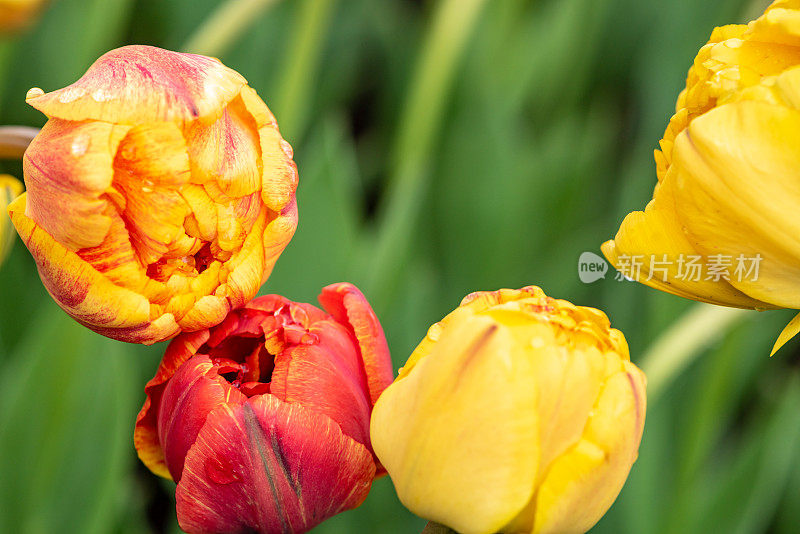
(69,165)
(192,392)
(226,155)
(349,307)
(138,84)
(316,377)
(270,467)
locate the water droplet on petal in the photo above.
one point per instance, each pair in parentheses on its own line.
(80,145)
(220,471)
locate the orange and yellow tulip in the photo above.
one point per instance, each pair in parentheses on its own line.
(159,194)
(728,169)
(517,413)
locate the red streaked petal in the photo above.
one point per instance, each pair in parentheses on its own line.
(323,380)
(349,307)
(145,434)
(138,84)
(190,395)
(269,466)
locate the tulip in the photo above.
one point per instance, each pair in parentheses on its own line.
(159,194)
(10,188)
(263,420)
(17,14)
(727,172)
(516,413)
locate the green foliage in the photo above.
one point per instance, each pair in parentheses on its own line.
(527,137)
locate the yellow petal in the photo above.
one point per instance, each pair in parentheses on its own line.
(737,185)
(10,188)
(789,331)
(84,293)
(448,447)
(647,237)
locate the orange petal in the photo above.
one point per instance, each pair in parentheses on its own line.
(279,181)
(227,152)
(69,165)
(139,84)
(84,293)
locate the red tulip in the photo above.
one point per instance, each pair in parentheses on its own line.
(263,420)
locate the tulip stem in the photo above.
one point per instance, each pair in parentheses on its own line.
(674,350)
(219,31)
(436,528)
(14,140)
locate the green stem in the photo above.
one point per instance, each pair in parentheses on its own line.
(443,47)
(436,528)
(683,342)
(219,32)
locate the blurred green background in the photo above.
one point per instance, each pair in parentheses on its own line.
(443,147)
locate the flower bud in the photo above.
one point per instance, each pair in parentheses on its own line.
(159,194)
(263,420)
(10,188)
(517,413)
(728,167)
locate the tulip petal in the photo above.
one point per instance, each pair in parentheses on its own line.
(69,165)
(84,293)
(278,233)
(268,466)
(190,395)
(227,153)
(321,378)
(139,84)
(432,426)
(583,483)
(736,182)
(279,180)
(349,307)
(788,332)
(145,435)
(651,236)
(150,167)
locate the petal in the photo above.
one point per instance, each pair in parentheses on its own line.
(69,165)
(84,293)
(736,188)
(227,153)
(279,180)
(190,395)
(319,377)
(150,166)
(648,236)
(788,332)
(139,84)
(432,426)
(277,235)
(145,435)
(269,466)
(350,308)
(581,485)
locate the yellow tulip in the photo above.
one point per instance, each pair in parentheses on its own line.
(517,413)
(728,190)
(159,194)
(10,188)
